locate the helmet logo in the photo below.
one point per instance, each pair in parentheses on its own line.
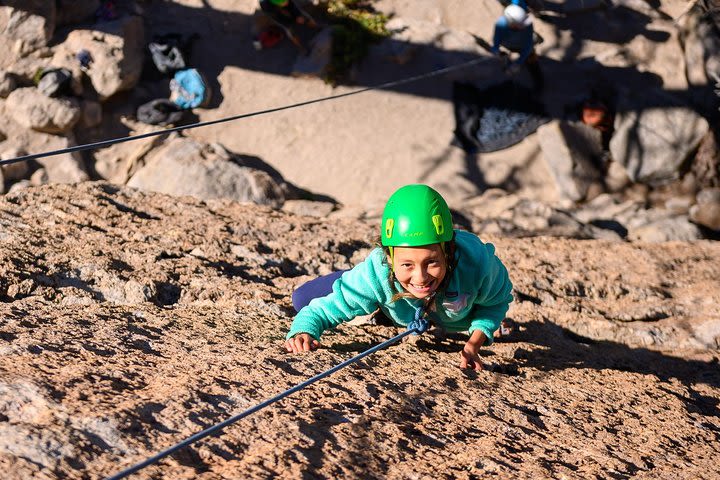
(389,224)
(438,222)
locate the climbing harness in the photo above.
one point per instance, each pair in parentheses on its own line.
(418,326)
(107,143)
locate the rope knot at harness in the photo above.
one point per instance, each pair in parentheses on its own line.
(420,324)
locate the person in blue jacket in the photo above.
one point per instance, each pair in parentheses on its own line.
(423,267)
(514,31)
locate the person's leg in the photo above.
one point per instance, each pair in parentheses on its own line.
(533,66)
(315,288)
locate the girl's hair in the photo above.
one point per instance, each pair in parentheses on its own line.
(449,249)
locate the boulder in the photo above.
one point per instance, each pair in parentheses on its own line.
(654,133)
(14,171)
(701,45)
(117,163)
(91,114)
(186,167)
(39,177)
(34,110)
(573,152)
(671,228)
(706,165)
(16,187)
(495,212)
(706,211)
(25,69)
(64,168)
(26,25)
(616,177)
(606,207)
(117,50)
(7,84)
(308,208)
(493,203)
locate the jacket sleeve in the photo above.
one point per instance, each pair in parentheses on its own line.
(493,299)
(357,292)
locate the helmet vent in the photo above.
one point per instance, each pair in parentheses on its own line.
(438,222)
(389,224)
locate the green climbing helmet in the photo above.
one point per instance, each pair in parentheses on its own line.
(415,215)
(279,3)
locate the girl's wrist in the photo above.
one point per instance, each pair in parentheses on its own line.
(477,340)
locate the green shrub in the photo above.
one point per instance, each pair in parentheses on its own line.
(355,26)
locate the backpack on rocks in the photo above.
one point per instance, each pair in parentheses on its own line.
(160,111)
(55,82)
(495,117)
(170,51)
(188,89)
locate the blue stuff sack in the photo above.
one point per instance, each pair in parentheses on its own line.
(188,89)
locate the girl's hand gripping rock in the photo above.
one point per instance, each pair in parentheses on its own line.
(302,342)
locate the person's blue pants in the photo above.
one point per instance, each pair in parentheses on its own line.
(315,288)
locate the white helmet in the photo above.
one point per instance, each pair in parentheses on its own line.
(515,14)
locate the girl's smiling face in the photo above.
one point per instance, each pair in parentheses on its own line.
(420,270)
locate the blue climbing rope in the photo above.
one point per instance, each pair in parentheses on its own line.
(418,326)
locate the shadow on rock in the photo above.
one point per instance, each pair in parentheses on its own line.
(569,350)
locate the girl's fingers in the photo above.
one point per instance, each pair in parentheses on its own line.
(296,344)
(477,364)
(301,343)
(463,362)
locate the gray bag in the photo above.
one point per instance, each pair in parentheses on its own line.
(56,82)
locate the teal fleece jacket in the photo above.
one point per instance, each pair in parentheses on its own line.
(477,296)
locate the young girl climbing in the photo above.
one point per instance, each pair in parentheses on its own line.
(450,276)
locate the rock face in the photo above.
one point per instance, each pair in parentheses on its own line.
(14,171)
(707,210)
(132,320)
(26,25)
(7,84)
(34,110)
(186,167)
(701,45)
(573,154)
(63,168)
(117,50)
(651,142)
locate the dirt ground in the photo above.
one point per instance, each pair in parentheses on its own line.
(132,320)
(358,149)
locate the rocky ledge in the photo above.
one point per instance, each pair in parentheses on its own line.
(132,320)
